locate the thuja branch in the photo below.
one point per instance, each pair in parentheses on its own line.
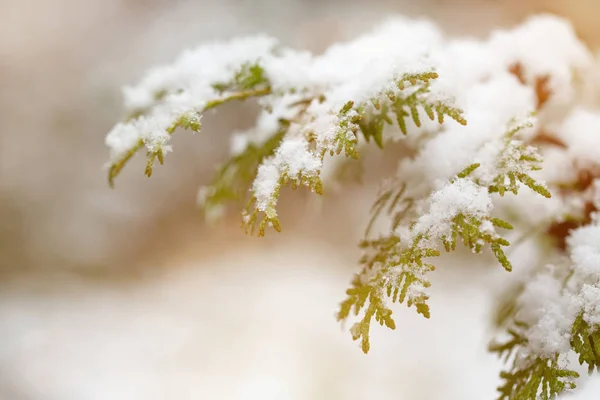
(243,95)
(190,120)
(446,192)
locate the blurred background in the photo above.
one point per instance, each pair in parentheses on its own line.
(127,294)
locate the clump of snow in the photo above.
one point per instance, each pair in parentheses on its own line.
(201,67)
(268,122)
(170,92)
(121,139)
(359,69)
(550,314)
(581,133)
(557,166)
(296,157)
(463,196)
(545,45)
(152,130)
(356,71)
(550,306)
(474,72)
(590,299)
(489,107)
(239,143)
(292,159)
(265,184)
(584,245)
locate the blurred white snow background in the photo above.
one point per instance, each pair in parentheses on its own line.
(125,294)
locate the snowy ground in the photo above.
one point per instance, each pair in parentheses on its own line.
(247,325)
(250,324)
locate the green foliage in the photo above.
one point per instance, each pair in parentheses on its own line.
(508,348)
(398,269)
(398,206)
(189,121)
(372,123)
(248,76)
(395,265)
(357,297)
(375,283)
(369,118)
(391,270)
(541,378)
(233,179)
(251,215)
(248,81)
(507,307)
(515,163)
(467,171)
(349,172)
(585,342)
(530,378)
(381,110)
(409,93)
(346,137)
(474,235)
(408,106)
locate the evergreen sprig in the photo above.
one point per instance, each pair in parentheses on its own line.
(541,378)
(233,179)
(475,234)
(399,206)
(508,348)
(392,270)
(391,258)
(368,118)
(248,81)
(410,93)
(252,216)
(389,272)
(320,113)
(530,377)
(399,273)
(515,164)
(585,342)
